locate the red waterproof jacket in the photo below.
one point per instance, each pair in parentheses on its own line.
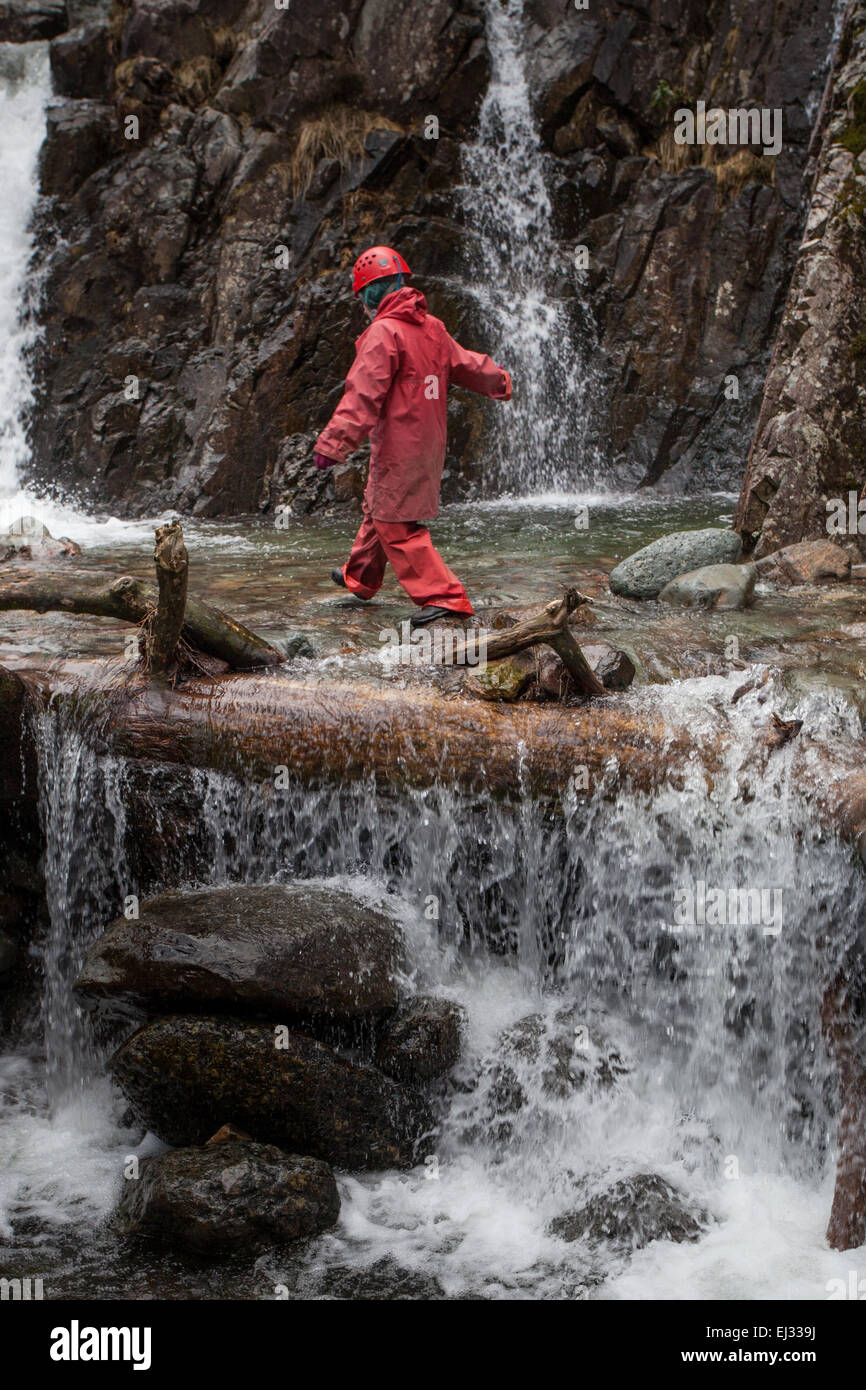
(396,392)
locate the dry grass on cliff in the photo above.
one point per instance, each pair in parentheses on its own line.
(732,173)
(339,133)
(744,167)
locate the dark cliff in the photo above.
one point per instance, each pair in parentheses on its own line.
(197,318)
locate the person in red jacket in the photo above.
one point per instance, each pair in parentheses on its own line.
(396,392)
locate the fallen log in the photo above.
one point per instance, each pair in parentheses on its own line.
(326,732)
(172,571)
(550,626)
(130,600)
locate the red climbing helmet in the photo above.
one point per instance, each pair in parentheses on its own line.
(376,263)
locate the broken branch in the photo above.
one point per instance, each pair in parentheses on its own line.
(550,626)
(172,570)
(130,600)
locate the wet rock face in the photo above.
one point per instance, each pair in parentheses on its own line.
(186,1076)
(24,21)
(199,334)
(645,574)
(713,586)
(632,1213)
(809,444)
(540,674)
(689,248)
(166,264)
(22,891)
(286,952)
(232,1196)
(80,61)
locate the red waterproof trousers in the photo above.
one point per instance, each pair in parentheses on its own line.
(414,559)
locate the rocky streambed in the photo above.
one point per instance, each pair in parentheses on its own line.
(493,1062)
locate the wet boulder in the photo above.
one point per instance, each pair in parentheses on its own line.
(539,673)
(422,1041)
(505,680)
(184,1075)
(645,574)
(284,951)
(232,1196)
(566,1053)
(613,667)
(713,586)
(808,562)
(632,1213)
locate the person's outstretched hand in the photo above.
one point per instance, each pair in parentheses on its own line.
(322,461)
(507,375)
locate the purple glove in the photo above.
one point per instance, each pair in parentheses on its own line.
(322,461)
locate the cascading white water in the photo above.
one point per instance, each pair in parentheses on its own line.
(551,920)
(531,299)
(25,85)
(84,824)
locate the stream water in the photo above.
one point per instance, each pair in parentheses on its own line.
(557,926)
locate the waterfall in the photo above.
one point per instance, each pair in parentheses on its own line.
(25,86)
(532,300)
(83,812)
(552,922)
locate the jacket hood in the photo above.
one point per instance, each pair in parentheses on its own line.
(404,303)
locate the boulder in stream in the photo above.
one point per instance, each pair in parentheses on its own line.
(541,673)
(645,574)
(505,680)
(186,1076)
(235,1196)
(284,951)
(422,1041)
(632,1213)
(713,586)
(807,562)
(612,666)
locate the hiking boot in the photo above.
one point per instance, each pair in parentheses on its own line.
(430,613)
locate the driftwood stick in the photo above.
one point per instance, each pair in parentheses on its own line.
(172,571)
(130,600)
(575,663)
(550,626)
